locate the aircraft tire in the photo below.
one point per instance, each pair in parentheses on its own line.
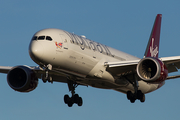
(70,103)
(80,101)
(129,95)
(139,94)
(66,99)
(76,98)
(143,98)
(132,100)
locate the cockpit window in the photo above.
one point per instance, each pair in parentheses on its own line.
(48,38)
(41,37)
(34,38)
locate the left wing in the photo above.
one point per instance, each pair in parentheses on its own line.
(172,63)
(122,67)
(126,67)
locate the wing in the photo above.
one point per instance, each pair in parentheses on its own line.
(172,63)
(122,67)
(5,69)
(58,75)
(128,67)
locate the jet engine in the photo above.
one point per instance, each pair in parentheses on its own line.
(22,79)
(152,70)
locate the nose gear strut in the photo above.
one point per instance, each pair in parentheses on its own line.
(46,77)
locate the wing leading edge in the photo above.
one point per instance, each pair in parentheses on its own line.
(5,69)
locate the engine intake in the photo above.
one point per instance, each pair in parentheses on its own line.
(22,79)
(152,70)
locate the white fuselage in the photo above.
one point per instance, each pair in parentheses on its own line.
(81,57)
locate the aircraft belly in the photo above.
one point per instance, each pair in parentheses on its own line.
(100,83)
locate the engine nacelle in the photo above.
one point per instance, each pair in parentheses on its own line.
(152,70)
(22,79)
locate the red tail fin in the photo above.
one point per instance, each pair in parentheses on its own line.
(152,49)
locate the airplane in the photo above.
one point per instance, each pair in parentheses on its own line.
(75,60)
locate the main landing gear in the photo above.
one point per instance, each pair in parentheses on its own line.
(71,85)
(137,94)
(74,98)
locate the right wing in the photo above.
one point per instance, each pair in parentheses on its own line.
(5,69)
(59,75)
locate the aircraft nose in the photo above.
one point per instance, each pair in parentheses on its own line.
(36,50)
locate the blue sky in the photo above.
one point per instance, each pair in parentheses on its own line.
(124,25)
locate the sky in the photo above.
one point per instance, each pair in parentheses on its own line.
(124,25)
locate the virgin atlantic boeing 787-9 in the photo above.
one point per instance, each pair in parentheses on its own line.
(75,60)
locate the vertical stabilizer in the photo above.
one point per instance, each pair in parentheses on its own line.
(152,49)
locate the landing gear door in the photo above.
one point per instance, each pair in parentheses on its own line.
(64,42)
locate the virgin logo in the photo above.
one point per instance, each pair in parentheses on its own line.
(153,51)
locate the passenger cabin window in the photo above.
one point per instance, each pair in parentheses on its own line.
(34,38)
(41,37)
(48,38)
